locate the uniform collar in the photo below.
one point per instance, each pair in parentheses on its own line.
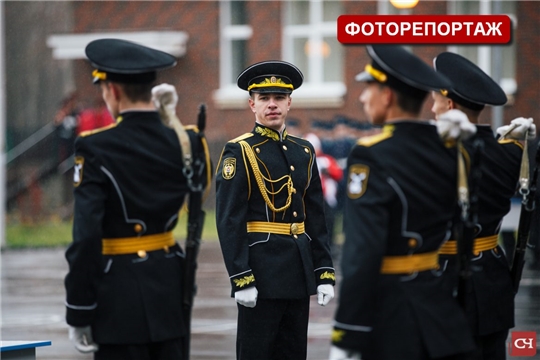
(133,115)
(270,133)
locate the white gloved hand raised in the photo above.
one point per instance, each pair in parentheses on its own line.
(337,353)
(165,95)
(247,297)
(325,293)
(454,124)
(518,128)
(82,339)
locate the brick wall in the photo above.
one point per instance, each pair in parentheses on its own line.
(197,74)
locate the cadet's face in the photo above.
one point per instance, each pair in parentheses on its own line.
(270,109)
(441,104)
(375,100)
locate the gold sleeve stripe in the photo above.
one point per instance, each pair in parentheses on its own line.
(511,141)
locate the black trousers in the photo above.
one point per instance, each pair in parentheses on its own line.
(491,347)
(272,330)
(165,350)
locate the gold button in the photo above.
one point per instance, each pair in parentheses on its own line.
(284,147)
(413,243)
(295,236)
(292,168)
(141,253)
(137,228)
(258,150)
(294,228)
(166,249)
(476,253)
(306,150)
(295,214)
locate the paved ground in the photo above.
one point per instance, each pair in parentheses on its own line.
(33,307)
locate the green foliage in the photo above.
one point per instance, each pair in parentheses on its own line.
(58,233)
(49,234)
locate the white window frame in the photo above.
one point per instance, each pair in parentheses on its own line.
(315,92)
(508,84)
(71,46)
(229,96)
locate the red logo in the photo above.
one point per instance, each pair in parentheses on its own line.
(424,29)
(523,343)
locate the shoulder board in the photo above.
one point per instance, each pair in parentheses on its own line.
(95,131)
(374,139)
(510,141)
(296,137)
(194,128)
(241,137)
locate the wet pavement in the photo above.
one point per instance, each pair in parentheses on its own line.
(33,307)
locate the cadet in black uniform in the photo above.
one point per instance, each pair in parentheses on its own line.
(125,268)
(270,221)
(490,299)
(401,198)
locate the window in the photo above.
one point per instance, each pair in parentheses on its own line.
(384,7)
(497,61)
(234,34)
(310,42)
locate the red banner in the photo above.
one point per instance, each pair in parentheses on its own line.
(424,29)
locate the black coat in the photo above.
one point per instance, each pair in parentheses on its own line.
(500,167)
(128,182)
(280,266)
(401,199)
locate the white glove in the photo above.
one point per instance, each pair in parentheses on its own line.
(325,293)
(454,124)
(337,353)
(165,95)
(82,339)
(520,126)
(247,297)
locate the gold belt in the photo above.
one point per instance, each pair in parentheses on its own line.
(132,245)
(275,228)
(480,244)
(407,264)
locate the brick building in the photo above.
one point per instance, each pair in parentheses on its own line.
(215,40)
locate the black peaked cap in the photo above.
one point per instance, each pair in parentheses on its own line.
(125,61)
(401,70)
(471,86)
(272,76)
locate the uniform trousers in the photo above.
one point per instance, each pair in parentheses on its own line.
(165,350)
(491,346)
(274,329)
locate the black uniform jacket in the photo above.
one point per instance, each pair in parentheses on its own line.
(280,266)
(128,182)
(401,198)
(500,167)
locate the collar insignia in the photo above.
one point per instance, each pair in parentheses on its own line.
(272,134)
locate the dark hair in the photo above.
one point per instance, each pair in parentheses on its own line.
(408,103)
(138,92)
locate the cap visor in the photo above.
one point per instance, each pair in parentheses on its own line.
(272,90)
(364,76)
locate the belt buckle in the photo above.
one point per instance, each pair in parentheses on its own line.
(294,228)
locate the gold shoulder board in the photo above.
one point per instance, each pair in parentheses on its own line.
(374,139)
(241,137)
(95,131)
